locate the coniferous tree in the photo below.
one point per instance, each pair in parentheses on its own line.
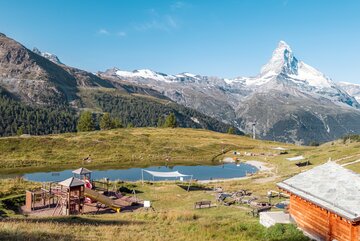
(231,130)
(170,121)
(106,122)
(160,122)
(86,122)
(20,131)
(116,123)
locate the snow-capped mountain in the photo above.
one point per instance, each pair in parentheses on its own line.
(52,57)
(285,69)
(289,100)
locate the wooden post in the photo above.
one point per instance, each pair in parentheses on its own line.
(190,182)
(142,176)
(68,202)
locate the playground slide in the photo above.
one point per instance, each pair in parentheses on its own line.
(102,199)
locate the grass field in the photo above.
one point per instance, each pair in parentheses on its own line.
(174,217)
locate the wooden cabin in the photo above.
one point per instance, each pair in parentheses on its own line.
(325,202)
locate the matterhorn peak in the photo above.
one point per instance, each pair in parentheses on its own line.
(282,61)
(283,45)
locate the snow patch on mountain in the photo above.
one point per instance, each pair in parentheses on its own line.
(312,76)
(49,56)
(145,74)
(194,119)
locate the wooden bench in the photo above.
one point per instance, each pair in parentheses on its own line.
(201,204)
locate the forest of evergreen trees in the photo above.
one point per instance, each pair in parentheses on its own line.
(18,118)
(123,111)
(141,112)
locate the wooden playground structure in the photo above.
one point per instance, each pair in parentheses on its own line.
(65,198)
(76,195)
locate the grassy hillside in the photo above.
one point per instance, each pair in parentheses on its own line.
(129,147)
(140,147)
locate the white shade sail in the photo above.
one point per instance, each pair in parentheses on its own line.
(279,148)
(297,158)
(166,174)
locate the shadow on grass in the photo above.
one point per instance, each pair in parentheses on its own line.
(195,187)
(23,235)
(3,214)
(79,220)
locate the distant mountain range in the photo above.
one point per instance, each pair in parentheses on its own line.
(41,95)
(287,101)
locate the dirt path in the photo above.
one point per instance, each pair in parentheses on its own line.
(266,179)
(347,157)
(350,163)
(261,166)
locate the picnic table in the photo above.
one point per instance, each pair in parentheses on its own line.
(201,204)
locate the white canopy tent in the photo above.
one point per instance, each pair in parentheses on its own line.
(279,148)
(297,158)
(175,174)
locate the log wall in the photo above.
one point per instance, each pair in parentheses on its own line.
(321,223)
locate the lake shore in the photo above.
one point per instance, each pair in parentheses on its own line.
(261,166)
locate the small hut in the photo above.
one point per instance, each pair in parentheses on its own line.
(72,196)
(325,202)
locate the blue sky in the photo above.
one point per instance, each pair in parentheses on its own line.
(223,38)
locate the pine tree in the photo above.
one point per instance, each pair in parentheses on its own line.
(170,121)
(20,131)
(231,130)
(116,123)
(106,122)
(160,122)
(86,122)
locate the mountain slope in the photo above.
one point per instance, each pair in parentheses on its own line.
(41,95)
(351,89)
(33,78)
(289,100)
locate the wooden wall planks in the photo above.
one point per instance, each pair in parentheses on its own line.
(322,223)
